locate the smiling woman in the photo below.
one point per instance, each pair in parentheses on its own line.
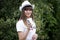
(26,26)
(27,11)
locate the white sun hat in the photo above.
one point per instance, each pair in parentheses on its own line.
(25,3)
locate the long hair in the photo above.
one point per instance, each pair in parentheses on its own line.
(23,16)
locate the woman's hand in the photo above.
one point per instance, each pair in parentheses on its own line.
(29,25)
(34,37)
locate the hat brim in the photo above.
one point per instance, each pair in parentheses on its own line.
(21,7)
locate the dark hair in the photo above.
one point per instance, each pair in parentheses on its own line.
(27,6)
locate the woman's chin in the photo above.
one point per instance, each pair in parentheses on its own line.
(28,16)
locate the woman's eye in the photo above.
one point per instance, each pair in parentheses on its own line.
(30,9)
(25,9)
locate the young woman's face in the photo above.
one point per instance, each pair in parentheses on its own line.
(28,11)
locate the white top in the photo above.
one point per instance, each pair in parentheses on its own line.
(20,26)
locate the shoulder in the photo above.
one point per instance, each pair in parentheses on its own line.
(19,26)
(19,22)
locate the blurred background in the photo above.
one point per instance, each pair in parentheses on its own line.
(46,15)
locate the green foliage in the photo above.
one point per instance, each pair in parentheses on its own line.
(45,13)
(45,20)
(8,30)
(9,15)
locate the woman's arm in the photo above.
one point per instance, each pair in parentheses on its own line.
(22,35)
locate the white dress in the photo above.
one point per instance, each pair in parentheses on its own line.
(20,26)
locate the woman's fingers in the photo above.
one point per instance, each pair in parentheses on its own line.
(34,37)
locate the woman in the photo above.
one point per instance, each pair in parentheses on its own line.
(26,27)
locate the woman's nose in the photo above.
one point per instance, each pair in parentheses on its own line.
(28,11)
